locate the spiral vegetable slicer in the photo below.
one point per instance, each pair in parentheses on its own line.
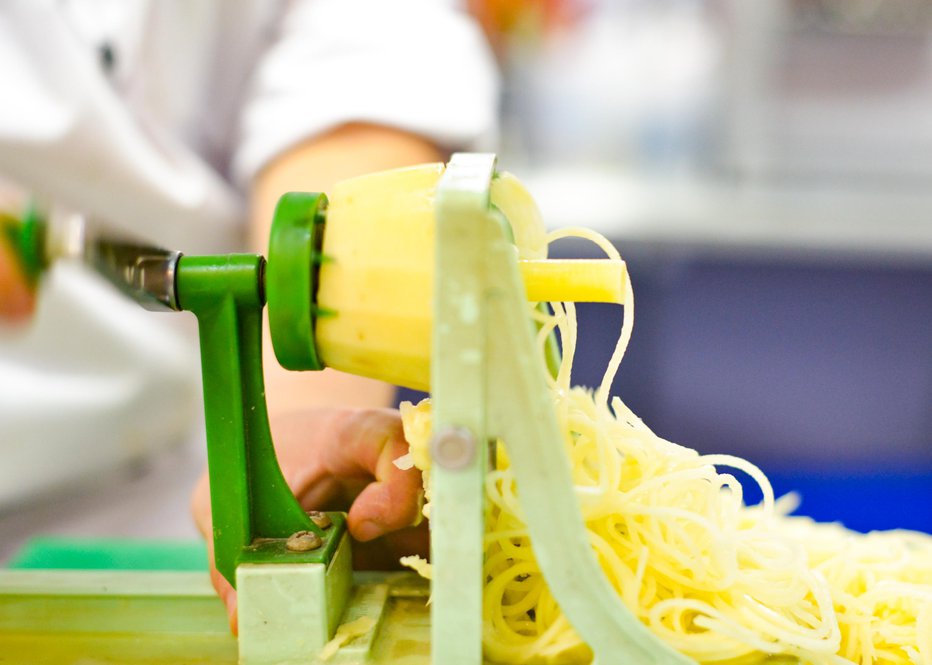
(444,307)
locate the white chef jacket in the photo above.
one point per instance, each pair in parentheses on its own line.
(154,115)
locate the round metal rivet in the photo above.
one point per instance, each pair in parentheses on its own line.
(453,448)
(303,541)
(322,520)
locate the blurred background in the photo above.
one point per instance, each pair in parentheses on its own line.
(766,170)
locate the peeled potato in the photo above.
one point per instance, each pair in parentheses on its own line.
(377,279)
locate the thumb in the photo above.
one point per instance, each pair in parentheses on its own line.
(393,501)
(385,506)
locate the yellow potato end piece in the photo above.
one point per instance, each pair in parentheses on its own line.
(346,633)
(574,280)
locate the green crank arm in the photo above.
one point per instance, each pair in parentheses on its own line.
(26,237)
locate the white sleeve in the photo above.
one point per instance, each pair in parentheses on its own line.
(65,135)
(418,65)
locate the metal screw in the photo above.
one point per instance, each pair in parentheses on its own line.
(322,520)
(303,541)
(453,448)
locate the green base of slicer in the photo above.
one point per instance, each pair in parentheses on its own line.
(143,611)
(156,617)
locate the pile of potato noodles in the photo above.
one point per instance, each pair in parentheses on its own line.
(720,581)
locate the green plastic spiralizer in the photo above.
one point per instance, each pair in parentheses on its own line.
(425,282)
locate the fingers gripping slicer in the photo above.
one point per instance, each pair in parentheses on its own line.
(423,288)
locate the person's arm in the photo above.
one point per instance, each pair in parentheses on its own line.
(314,166)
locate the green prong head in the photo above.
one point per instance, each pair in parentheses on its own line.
(291,278)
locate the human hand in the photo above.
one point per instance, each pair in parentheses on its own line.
(17,300)
(334,459)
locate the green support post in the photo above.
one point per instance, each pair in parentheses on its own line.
(286,611)
(253,509)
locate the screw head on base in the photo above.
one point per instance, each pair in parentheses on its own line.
(303,541)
